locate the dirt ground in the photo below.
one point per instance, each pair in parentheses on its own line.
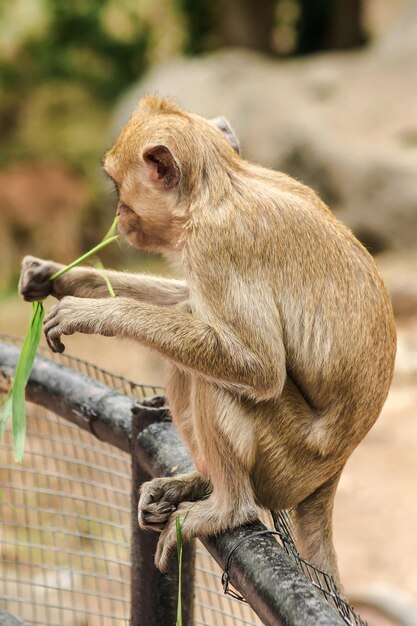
(376,505)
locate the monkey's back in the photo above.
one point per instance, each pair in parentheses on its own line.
(336,315)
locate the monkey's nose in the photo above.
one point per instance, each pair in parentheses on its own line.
(121,207)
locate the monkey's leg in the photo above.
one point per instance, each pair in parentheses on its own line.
(160,497)
(313,522)
(177,389)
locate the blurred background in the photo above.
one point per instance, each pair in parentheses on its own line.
(322,89)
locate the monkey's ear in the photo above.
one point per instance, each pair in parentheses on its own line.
(163,168)
(224,126)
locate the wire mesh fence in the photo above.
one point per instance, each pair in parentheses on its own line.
(65,532)
(65,527)
(320,579)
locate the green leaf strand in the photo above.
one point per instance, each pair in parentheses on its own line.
(179,554)
(14,402)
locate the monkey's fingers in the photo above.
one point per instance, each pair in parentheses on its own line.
(53,338)
(166,546)
(151,491)
(53,331)
(155,515)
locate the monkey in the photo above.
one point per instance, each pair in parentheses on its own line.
(279,340)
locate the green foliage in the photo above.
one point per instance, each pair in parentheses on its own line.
(60,76)
(58,122)
(200,23)
(78,47)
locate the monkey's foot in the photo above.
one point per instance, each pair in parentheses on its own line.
(156,503)
(155,515)
(160,497)
(198,519)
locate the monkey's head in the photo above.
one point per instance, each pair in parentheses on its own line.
(163,161)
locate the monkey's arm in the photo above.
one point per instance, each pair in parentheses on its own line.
(255,365)
(85,282)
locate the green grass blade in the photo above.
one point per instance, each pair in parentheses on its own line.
(109,237)
(14,403)
(23,369)
(6,404)
(99,265)
(179,553)
(84,257)
(112,230)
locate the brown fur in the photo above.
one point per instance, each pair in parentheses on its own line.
(280,342)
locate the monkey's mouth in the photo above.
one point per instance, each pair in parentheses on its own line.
(129,225)
(128,219)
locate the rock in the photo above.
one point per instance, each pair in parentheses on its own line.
(344,123)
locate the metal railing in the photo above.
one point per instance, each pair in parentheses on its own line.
(71,545)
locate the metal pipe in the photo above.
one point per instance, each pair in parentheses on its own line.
(154,595)
(83,401)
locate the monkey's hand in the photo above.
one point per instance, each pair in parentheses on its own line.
(34,283)
(77,315)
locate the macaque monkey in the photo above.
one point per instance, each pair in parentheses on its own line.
(279,342)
